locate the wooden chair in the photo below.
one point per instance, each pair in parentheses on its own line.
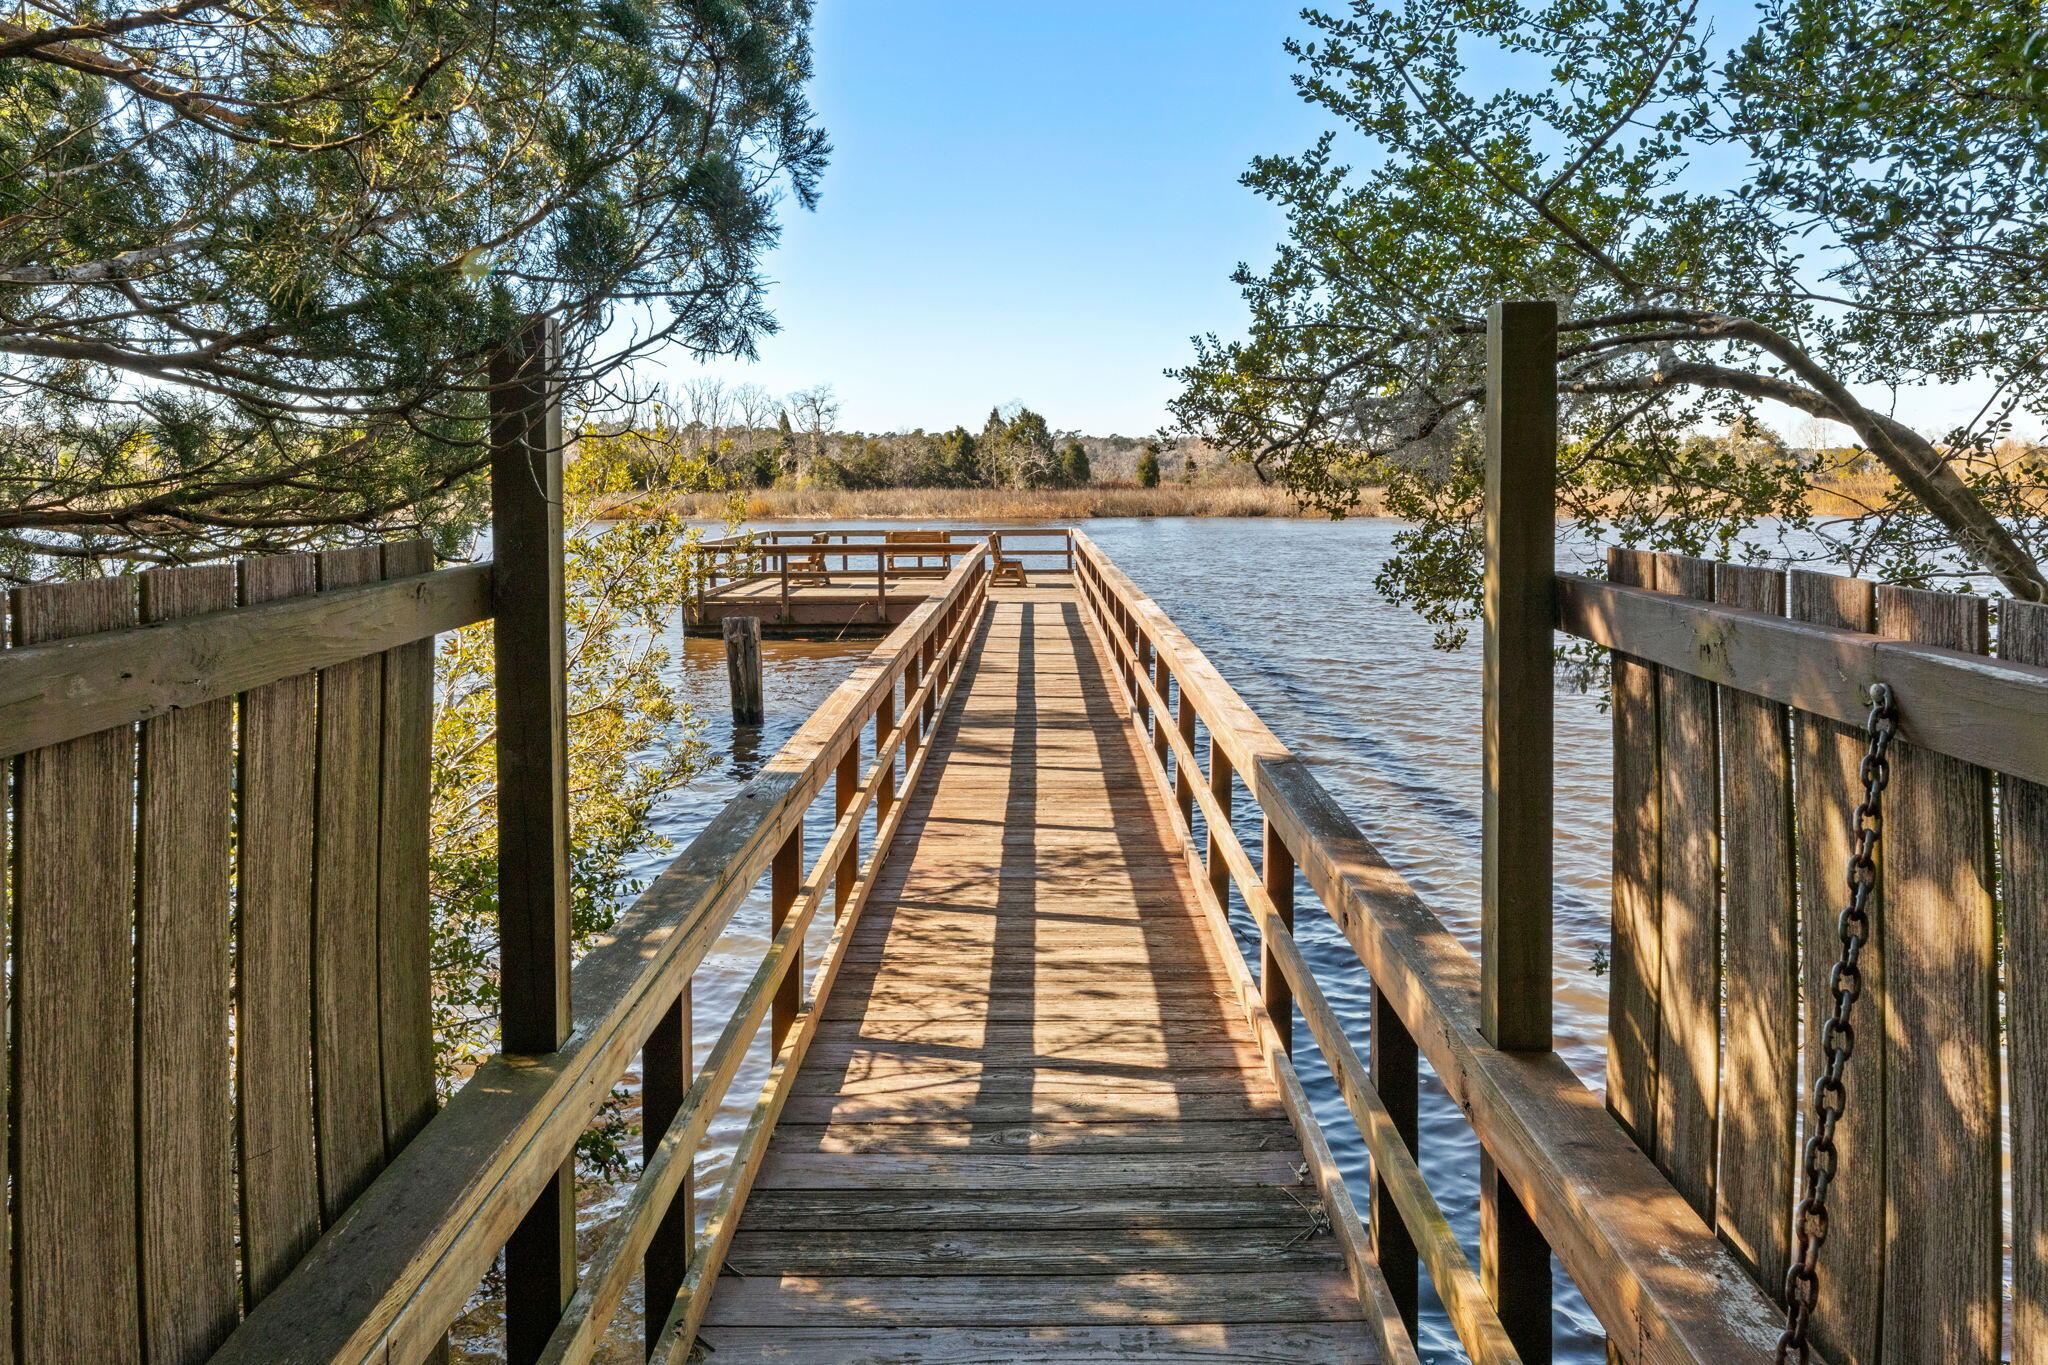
(1009,572)
(808,570)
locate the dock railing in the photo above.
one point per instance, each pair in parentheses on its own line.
(387,1281)
(860,558)
(1638,1252)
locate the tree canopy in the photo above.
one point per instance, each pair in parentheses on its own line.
(252,256)
(1849,202)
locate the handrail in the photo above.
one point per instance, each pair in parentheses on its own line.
(67,688)
(1650,1268)
(605,1284)
(1471,1312)
(397,1267)
(1465,1301)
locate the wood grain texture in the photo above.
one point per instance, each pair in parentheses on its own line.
(67,688)
(183,981)
(1968,706)
(348,1094)
(399,1272)
(1635,956)
(1760,999)
(279,1177)
(75,1205)
(1007,1038)
(1689,918)
(404,985)
(1826,788)
(1340,1343)
(2023,637)
(1943,1239)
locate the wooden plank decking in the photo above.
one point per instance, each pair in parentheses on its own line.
(1033,1125)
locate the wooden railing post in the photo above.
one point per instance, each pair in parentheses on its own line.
(1220,787)
(1277,873)
(785,879)
(664,1080)
(533,792)
(1184,780)
(1396,1075)
(845,786)
(885,773)
(1515,895)
(1162,682)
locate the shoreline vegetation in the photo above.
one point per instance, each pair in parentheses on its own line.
(991,504)
(1847,495)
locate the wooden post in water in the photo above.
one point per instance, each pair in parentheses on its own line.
(533,792)
(1515,893)
(743,668)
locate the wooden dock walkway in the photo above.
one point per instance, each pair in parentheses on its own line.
(1034,1125)
(1029,1102)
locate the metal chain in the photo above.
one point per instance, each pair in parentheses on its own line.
(1838,1035)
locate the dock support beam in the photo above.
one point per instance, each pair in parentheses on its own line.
(533,792)
(1515,892)
(743,668)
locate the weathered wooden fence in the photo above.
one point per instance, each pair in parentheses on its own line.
(219,957)
(1739,717)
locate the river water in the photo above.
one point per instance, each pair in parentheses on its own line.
(1287,612)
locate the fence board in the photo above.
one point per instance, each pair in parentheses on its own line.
(280,1184)
(1943,1240)
(74,1065)
(1759,926)
(404,991)
(1635,961)
(185,767)
(347,1095)
(1826,787)
(1689,1033)
(2023,636)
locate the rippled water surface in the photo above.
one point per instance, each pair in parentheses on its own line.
(1286,610)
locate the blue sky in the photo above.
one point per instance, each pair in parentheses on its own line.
(1039,203)
(1026,202)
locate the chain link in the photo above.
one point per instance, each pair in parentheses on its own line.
(1838,1035)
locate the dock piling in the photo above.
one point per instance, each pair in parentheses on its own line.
(743,668)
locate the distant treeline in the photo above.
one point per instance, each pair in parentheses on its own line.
(714,436)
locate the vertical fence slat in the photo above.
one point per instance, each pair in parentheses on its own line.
(279,1178)
(1943,1239)
(2023,637)
(348,1100)
(1689,1031)
(1760,924)
(404,990)
(1826,788)
(1635,959)
(74,1066)
(185,1121)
